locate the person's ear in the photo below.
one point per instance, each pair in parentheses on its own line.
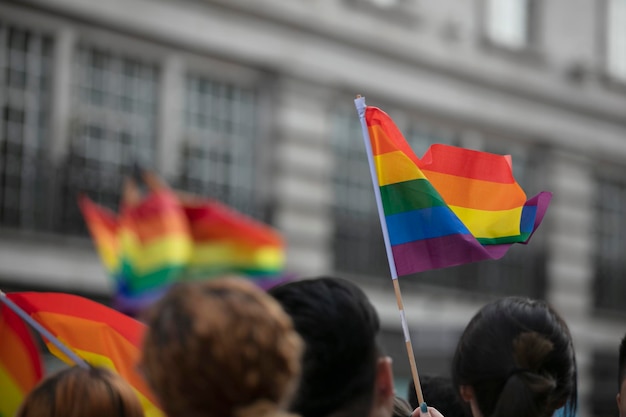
(384,392)
(469,396)
(618,397)
(384,379)
(467,393)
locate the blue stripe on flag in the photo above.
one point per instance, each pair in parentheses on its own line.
(423,224)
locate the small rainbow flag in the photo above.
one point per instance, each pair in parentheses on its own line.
(167,237)
(99,335)
(452,207)
(20,362)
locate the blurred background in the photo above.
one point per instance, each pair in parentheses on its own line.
(251,102)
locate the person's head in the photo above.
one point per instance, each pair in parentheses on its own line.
(220,348)
(439,393)
(621,379)
(79,392)
(516,359)
(343,369)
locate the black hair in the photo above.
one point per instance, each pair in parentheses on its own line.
(339,327)
(622,364)
(517,355)
(439,392)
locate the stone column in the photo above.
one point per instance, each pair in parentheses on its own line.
(302,172)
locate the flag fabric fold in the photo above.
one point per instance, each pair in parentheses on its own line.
(99,335)
(453,206)
(21,366)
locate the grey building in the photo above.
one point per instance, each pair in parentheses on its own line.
(251,102)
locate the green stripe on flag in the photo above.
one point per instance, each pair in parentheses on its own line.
(409,195)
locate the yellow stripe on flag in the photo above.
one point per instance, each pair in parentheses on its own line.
(233,254)
(393,167)
(490,224)
(170,250)
(11,396)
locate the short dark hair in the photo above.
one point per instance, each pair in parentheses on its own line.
(622,364)
(517,355)
(439,392)
(339,326)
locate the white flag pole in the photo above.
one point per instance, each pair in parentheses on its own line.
(359,102)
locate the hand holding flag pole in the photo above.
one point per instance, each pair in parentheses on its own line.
(42,331)
(360,106)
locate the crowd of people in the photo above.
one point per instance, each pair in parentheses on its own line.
(224,348)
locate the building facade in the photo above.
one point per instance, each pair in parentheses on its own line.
(251,102)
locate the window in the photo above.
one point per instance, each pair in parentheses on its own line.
(508,23)
(220,142)
(358,241)
(25,71)
(397,12)
(616,45)
(610,243)
(420,136)
(113,126)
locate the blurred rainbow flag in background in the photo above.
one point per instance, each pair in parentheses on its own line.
(167,237)
(452,207)
(20,362)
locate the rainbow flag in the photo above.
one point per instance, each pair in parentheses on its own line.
(147,247)
(168,237)
(20,362)
(100,335)
(452,207)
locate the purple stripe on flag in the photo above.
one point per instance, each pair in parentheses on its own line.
(267,283)
(133,305)
(541,200)
(442,252)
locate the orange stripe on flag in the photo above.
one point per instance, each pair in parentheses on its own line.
(476,194)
